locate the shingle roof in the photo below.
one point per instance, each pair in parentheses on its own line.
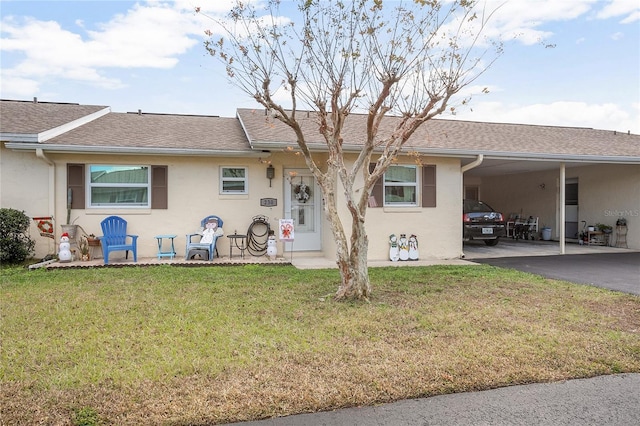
(255,130)
(158,131)
(29,117)
(452,135)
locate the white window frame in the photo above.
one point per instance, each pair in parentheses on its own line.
(415,185)
(90,185)
(224,179)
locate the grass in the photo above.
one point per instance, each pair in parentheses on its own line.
(178,346)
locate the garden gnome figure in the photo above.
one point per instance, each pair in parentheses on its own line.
(64,254)
(272,248)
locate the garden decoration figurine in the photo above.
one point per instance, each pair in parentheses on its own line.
(403,245)
(211,230)
(272,249)
(84,248)
(413,247)
(393,250)
(64,254)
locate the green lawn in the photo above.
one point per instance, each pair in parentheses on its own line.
(178,346)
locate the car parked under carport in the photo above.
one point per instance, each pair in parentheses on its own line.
(481,222)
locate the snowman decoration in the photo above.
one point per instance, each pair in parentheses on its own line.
(64,254)
(393,250)
(404,247)
(272,249)
(413,247)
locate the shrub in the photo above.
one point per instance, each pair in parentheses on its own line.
(15,243)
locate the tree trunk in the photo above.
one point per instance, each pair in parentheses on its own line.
(352,263)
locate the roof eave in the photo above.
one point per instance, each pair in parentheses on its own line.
(56,131)
(19,137)
(75,149)
(462,153)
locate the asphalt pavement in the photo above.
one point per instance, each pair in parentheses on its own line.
(603,400)
(613,271)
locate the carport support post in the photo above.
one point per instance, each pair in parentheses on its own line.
(562,206)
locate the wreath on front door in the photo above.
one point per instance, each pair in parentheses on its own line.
(303,192)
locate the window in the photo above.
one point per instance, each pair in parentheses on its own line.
(401,186)
(233,180)
(119,186)
(76,184)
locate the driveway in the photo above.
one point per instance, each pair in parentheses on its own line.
(606,267)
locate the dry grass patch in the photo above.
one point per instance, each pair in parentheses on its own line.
(185,346)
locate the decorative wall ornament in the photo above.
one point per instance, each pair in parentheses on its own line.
(302,192)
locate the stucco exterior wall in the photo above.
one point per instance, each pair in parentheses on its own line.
(193,193)
(607,193)
(24,186)
(526,194)
(438,229)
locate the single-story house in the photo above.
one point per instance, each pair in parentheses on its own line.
(164,173)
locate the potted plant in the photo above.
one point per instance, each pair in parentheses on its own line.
(93,241)
(604,228)
(70,227)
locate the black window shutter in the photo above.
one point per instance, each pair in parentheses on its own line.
(159,187)
(75,184)
(429,186)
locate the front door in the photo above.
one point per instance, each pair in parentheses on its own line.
(303,204)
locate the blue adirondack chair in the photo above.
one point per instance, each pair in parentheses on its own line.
(115,237)
(194,240)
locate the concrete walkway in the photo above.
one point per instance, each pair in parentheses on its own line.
(604,400)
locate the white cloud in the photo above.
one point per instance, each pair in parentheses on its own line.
(147,36)
(628,10)
(605,116)
(617,36)
(19,87)
(522,20)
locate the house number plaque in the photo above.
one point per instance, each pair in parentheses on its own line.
(268,202)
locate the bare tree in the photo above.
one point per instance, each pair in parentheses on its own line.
(404,59)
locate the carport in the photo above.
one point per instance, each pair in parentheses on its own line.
(564,192)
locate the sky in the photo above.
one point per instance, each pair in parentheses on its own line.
(573,63)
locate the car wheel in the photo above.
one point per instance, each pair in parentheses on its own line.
(491,242)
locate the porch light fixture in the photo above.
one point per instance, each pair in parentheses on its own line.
(271,173)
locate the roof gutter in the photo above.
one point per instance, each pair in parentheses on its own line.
(131,150)
(493,155)
(475,163)
(41,155)
(52,182)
